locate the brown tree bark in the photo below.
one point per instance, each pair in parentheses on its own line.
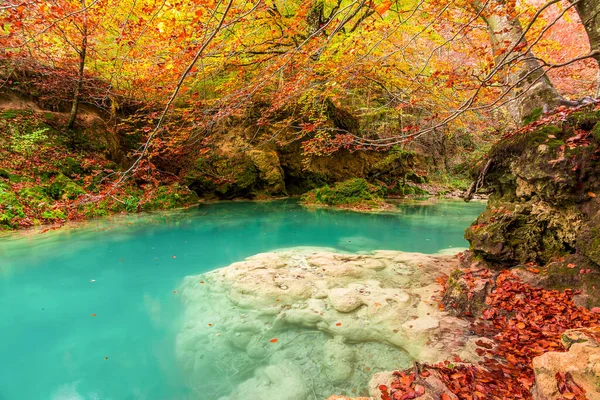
(589,13)
(518,68)
(80,73)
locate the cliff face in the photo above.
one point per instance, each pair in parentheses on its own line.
(240,167)
(543,206)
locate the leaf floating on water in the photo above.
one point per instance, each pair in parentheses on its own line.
(202,283)
(209,324)
(106,358)
(174,291)
(274,340)
(173,256)
(93,315)
(338,324)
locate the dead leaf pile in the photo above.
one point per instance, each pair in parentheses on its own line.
(523,322)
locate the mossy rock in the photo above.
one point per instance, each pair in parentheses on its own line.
(10,208)
(54,215)
(63,188)
(269,170)
(596,132)
(169,197)
(407,189)
(11,177)
(460,298)
(543,203)
(225,178)
(101,208)
(583,119)
(533,116)
(69,166)
(354,192)
(34,194)
(549,135)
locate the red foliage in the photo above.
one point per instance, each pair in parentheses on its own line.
(523,322)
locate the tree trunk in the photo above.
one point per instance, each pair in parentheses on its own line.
(589,13)
(518,69)
(82,54)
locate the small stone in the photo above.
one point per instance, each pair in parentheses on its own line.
(344,300)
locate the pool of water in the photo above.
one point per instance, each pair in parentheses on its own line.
(92,312)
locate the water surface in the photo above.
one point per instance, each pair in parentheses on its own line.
(91,313)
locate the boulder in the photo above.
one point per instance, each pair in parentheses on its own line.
(543,204)
(269,170)
(580,364)
(463,297)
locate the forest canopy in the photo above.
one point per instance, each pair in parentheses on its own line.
(358,73)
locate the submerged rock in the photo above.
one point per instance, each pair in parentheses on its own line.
(305,323)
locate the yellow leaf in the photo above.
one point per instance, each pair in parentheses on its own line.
(383,7)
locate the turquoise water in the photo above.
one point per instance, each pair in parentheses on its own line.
(91,313)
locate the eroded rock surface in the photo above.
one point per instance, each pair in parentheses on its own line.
(305,323)
(581,361)
(546,195)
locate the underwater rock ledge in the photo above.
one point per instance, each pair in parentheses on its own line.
(305,323)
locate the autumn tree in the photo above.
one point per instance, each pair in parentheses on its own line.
(331,73)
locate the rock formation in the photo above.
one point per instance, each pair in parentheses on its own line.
(305,323)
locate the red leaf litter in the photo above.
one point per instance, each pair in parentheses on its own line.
(523,322)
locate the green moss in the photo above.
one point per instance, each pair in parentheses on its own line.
(583,119)
(132,203)
(4,187)
(69,166)
(101,208)
(534,116)
(353,192)
(10,114)
(408,190)
(34,194)
(168,197)
(10,208)
(454,276)
(53,214)
(519,143)
(63,188)
(596,132)
(395,155)
(10,176)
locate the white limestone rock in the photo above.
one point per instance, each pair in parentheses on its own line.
(319,321)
